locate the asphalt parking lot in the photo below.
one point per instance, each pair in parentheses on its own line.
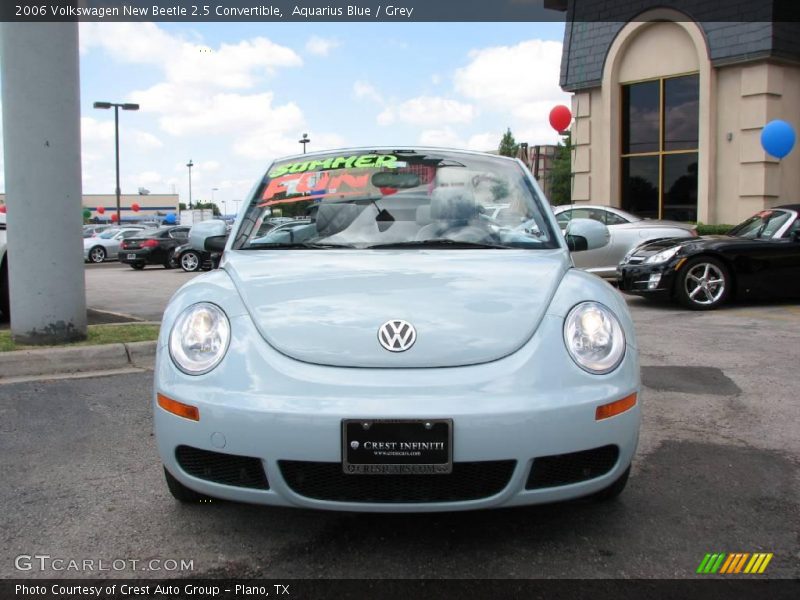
(718,470)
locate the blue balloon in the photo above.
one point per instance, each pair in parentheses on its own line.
(777,138)
(170,219)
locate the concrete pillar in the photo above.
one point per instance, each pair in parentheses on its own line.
(42,149)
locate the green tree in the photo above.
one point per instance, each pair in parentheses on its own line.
(560,175)
(206,205)
(508,145)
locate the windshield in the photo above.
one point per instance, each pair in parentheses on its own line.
(764,224)
(108,233)
(388,199)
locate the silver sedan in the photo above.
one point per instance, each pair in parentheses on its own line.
(106,245)
(627,231)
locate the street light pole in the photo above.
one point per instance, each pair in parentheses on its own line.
(117,106)
(305,140)
(212,198)
(190,164)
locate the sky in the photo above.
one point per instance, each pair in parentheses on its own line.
(234,96)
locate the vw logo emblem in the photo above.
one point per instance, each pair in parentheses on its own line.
(397,335)
(354,445)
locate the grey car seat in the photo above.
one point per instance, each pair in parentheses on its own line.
(452,214)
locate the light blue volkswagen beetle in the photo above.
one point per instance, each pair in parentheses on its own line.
(396,330)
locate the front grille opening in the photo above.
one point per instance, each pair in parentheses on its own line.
(468,481)
(563,469)
(229,469)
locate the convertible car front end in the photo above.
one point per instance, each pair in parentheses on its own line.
(399,349)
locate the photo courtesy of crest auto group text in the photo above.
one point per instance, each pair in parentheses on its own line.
(430,299)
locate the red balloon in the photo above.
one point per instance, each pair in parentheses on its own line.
(114,217)
(135,207)
(100,210)
(560,118)
(2,209)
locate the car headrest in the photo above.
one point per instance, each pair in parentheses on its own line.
(333,218)
(453,204)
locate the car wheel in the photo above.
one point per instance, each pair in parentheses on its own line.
(137,266)
(190,261)
(703,284)
(182,493)
(97,254)
(613,490)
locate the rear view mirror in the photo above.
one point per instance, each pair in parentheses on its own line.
(208,233)
(586,234)
(387,179)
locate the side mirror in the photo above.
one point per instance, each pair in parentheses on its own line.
(586,234)
(208,233)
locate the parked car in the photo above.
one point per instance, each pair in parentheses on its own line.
(760,257)
(95,230)
(191,260)
(627,232)
(398,351)
(5,304)
(155,248)
(106,245)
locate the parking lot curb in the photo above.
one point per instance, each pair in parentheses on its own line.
(60,361)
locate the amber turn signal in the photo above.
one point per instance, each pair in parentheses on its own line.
(620,406)
(179,408)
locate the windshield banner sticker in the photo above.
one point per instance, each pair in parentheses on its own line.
(359,161)
(312,186)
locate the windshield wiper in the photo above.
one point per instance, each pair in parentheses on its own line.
(438,243)
(294,246)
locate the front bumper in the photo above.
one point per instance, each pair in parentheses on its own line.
(261,404)
(646,280)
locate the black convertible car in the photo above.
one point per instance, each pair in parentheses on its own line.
(760,257)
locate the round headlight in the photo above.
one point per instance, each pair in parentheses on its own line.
(199,338)
(594,338)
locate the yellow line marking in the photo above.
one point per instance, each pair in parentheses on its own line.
(752,563)
(765,563)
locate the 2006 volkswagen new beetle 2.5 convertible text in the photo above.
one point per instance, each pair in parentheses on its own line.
(397,330)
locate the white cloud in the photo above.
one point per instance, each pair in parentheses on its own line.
(146,178)
(448,138)
(233,66)
(428,110)
(321,46)
(520,80)
(363,90)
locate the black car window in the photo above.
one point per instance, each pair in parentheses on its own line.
(179,234)
(129,234)
(613,218)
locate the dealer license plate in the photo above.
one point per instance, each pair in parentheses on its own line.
(397,446)
(131,257)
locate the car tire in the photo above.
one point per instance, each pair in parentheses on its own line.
(137,266)
(97,254)
(703,283)
(182,493)
(613,490)
(191,261)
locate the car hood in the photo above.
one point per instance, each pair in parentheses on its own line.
(657,224)
(691,245)
(326,306)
